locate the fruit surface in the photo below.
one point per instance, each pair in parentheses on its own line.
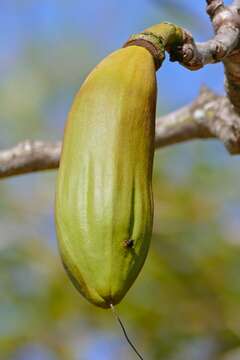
(104,206)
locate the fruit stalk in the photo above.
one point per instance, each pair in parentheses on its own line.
(159,38)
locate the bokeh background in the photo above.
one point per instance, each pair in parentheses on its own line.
(185,305)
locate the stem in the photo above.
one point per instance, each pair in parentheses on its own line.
(157,39)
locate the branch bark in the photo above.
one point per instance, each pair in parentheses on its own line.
(29,156)
(225,47)
(209,116)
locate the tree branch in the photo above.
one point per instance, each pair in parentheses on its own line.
(29,156)
(209,116)
(225,47)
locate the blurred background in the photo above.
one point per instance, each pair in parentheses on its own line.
(185,305)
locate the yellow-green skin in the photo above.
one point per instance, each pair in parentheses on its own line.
(104,194)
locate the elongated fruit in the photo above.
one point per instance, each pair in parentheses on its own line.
(104,207)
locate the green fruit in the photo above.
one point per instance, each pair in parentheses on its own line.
(104,205)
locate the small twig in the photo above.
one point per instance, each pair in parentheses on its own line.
(209,116)
(225,47)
